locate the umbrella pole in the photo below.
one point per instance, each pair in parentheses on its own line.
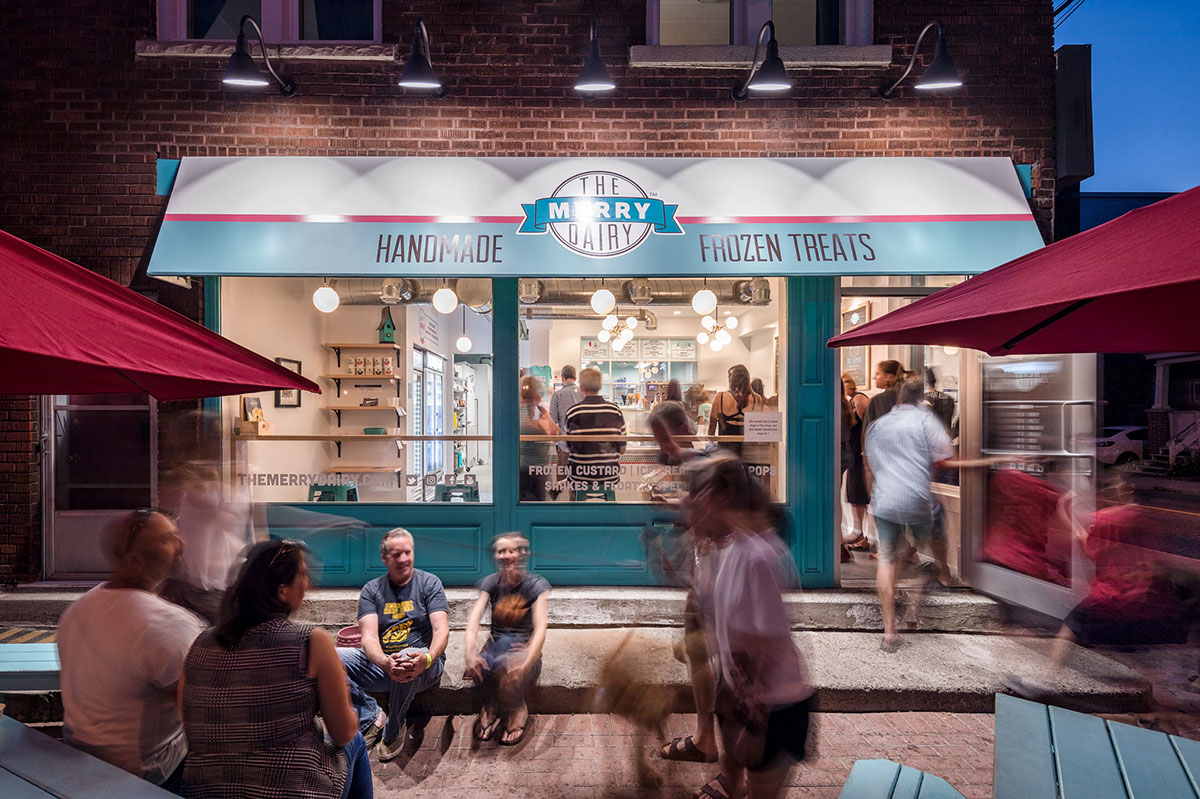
(1045,323)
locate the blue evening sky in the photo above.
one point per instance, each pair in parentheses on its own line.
(1145,91)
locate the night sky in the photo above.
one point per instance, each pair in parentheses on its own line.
(1145,91)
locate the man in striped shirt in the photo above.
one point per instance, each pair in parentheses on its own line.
(593,467)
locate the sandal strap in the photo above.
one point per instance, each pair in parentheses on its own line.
(708,790)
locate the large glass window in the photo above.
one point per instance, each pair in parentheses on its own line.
(405,413)
(613,403)
(717,22)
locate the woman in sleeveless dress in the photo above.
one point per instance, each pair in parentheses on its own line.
(728,417)
(252,688)
(857,492)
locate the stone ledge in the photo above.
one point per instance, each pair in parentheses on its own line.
(682,56)
(152,48)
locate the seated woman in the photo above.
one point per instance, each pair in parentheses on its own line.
(511,658)
(252,688)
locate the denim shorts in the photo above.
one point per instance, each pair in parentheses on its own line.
(923,533)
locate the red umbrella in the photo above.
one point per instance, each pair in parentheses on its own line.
(1130,285)
(67,330)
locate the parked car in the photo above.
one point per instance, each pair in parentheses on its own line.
(1117,446)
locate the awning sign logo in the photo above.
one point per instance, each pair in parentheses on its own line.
(600,215)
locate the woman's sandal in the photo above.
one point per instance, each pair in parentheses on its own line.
(860,544)
(716,788)
(685,749)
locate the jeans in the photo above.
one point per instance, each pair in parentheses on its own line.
(359,784)
(366,676)
(497,656)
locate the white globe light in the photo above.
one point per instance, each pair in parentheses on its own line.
(609,322)
(715,345)
(723,337)
(731,323)
(701,337)
(445,300)
(631,322)
(603,336)
(326,299)
(603,301)
(619,344)
(950,350)
(625,334)
(708,322)
(463,344)
(704,301)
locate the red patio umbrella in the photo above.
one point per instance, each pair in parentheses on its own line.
(1130,285)
(67,330)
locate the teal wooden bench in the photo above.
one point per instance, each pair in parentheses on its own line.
(1046,752)
(883,779)
(35,766)
(28,667)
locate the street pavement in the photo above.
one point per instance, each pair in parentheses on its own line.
(588,756)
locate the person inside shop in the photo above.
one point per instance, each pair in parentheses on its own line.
(533,455)
(594,467)
(888,374)
(511,658)
(729,408)
(672,393)
(857,493)
(1133,598)
(253,687)
(561,401)
(122,649)
(403,618)
(763,695)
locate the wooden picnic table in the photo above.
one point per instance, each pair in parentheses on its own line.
(28,667)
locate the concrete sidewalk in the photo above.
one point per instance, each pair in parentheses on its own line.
(591,756)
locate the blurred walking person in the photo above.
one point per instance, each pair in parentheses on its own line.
(764,695)
(903,447)
(857,493)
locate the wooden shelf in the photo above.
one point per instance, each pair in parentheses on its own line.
(364,469)
(393,408)
(352,346)
(364,378)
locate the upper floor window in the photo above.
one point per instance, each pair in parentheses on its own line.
(282,21)
(730,22)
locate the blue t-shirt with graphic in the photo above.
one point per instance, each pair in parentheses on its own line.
(403,611)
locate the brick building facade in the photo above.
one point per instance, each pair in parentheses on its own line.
(85,117)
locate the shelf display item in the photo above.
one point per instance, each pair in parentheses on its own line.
(387,328)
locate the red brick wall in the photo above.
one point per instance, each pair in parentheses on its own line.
(84,119)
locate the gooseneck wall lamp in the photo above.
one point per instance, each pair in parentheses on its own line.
(418,69)
(242,71)
(594,78)
(942,74)
(768,75)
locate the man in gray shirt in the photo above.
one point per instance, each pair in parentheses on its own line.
(902,448)
(561,402)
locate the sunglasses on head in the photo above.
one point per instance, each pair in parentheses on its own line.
(287,545)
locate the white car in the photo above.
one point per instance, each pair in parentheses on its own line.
(1117,446)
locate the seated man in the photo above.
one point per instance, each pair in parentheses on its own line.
(403,618)
(122,649)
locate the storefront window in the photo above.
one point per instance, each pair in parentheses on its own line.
(405,413)
(613,403)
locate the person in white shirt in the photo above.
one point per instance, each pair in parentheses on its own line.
(122,649)
(764,695)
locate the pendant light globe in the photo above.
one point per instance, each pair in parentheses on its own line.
(326,299)
(731,322)
(609,322)
(603,336)
(723,336)
(704,301)
(603,301)
(445,300)
(463,344)
(701,337)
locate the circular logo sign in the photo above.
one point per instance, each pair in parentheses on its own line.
(606,217)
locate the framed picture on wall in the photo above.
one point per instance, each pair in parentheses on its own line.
(854,359)
(252,409)
(288,397)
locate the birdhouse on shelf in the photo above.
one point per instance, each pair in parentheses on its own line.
(387,328)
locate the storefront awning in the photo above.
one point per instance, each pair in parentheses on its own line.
(584,217)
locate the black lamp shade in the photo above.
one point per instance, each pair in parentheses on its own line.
(418,73)
(771,76)
(942,74)
(242,71)
(594,77)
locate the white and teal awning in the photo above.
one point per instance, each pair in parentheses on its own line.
(583,217)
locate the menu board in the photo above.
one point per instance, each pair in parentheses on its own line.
(591,349)
(654,349)
(683,349)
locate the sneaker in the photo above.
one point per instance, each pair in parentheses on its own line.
(388,751)
(373,733)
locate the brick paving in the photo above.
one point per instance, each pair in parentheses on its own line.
(591,756)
